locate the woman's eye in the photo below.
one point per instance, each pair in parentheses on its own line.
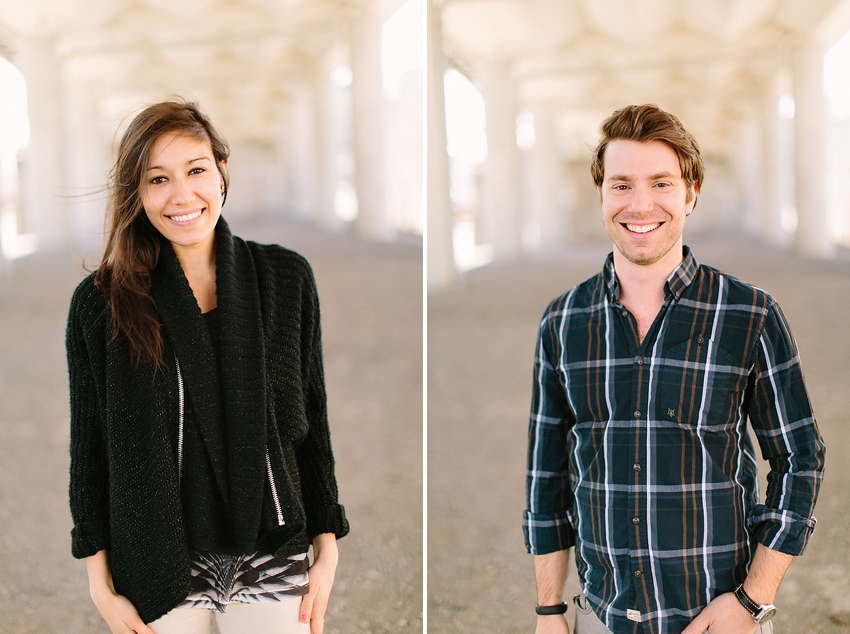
(156,180)
(197,170)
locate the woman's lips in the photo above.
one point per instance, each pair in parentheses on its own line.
(184,218)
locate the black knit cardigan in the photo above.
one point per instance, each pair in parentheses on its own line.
(124,490)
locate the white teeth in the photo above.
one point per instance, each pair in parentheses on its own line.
(642,228)
(187,217)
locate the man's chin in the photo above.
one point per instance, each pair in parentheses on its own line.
(643,257)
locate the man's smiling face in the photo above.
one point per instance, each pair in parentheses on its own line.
(644,200)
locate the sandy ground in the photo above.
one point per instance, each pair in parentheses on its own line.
(372,327)
(481,338)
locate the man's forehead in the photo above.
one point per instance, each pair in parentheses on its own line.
(626,159)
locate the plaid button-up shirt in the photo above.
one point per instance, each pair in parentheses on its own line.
(639,454)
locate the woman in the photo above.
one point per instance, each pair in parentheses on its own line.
(201,465)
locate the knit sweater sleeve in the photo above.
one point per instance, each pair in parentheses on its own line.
(314,454)
(89,468)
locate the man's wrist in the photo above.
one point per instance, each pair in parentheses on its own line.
(758,594)
(551,609)
(761,612)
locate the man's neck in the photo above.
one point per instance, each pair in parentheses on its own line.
(639,279)
(642,285)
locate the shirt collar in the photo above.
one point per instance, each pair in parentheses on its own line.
(676,283)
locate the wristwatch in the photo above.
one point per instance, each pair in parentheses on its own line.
(546,610)
(761,613)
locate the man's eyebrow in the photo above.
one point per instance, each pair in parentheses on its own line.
(200,158)
(623,177)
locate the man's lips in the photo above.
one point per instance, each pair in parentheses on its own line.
(641,228)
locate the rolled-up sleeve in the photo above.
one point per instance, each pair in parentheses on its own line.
(546,524)
(781,417)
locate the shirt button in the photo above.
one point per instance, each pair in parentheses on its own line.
(640,360)
(625,313)
(635,520)
(700,339)
(637,413)
(638,573)
(636,466)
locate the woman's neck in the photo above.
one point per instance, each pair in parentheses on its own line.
(198,266)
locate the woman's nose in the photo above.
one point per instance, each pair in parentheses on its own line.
(181,193)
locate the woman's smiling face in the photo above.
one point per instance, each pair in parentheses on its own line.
(182,191)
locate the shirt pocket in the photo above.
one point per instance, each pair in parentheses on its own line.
(698,385)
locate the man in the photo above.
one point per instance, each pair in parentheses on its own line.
(645,378)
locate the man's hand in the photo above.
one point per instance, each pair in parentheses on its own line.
(724,615)
(552,624)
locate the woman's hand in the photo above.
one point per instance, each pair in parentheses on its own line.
(321,574)
(120,615)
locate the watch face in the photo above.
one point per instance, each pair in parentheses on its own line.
(765,614)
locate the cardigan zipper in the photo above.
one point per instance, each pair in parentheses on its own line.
(180,409)
(180,406)
(275,498)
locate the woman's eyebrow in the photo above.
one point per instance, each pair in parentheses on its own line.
(200,158)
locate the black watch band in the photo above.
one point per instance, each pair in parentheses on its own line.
(546,610)
(760,613)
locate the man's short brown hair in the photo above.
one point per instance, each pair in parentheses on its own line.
(650,123)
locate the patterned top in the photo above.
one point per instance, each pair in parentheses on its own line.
(639,453)
(218,580)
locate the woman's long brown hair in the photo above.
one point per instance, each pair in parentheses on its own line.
(133,244)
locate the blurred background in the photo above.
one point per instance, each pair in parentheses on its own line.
(322,104)
(762,85)
(517,90)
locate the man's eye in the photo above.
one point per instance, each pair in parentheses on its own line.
(621,188)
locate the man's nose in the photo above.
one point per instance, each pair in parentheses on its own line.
(641,200)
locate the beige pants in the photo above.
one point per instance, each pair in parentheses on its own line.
(279,617)
(588,623)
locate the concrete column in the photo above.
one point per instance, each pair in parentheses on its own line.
(87,161)
(367,101)
(778,165)
(329,138)
(543,186)
(303,196)
(502,221)
(45,180)
(439,216)
(748,171)
(810,155)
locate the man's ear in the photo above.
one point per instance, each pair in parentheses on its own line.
(694,193)
(599,191)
